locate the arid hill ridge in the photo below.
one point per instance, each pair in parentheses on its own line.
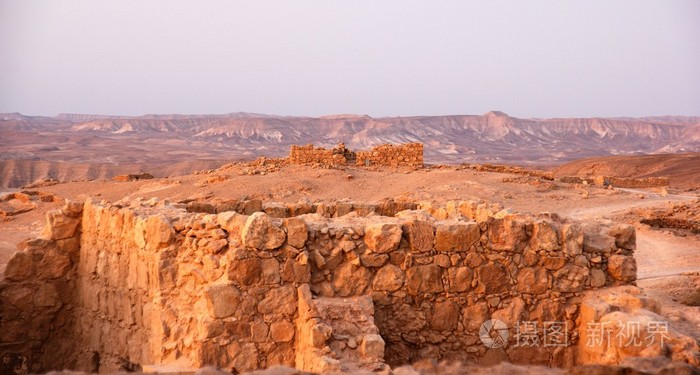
(492,137)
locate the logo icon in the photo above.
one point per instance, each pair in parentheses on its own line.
(493,333)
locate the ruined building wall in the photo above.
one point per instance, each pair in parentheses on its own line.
(315,155)
(410,154)
(152,285)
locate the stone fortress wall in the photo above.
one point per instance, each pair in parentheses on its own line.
(112,286)
(409,155)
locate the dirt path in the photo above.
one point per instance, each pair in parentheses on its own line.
(658,253)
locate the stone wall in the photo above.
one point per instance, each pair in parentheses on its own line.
(309,154)
(160,285)
(410,155)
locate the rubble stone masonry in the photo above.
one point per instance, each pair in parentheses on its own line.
(110,286)
(406,155)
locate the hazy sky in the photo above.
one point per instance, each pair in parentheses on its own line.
(383,58)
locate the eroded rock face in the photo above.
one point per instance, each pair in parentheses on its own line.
(297,232)
(351,280)
(389,278)
(493,278)
(424,279)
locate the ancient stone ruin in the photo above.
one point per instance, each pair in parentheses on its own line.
(406,155)
(118,286)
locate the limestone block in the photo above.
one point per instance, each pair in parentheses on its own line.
(158,232)
(388,278)
(545,236)
(572,239)
(625,236)
(296,272)
(456,236)
(424,279)
(297,232)
(279,301)
(445,316)
(282,331)
(532,280)
(351,280)
(222,300)
(372,347)
(260,233)
(597,278)
(383,237)
(59,226)
(507,233)
(571,278)
(493,278)
(622,268)
(459,279)
(421,235)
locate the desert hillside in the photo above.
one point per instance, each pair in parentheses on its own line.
(103,146)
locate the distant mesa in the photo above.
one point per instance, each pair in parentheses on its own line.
(495,114)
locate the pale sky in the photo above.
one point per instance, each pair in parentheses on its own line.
(553,58)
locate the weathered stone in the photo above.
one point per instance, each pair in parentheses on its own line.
(53,265)
(571,278)
(59,226)
(222,300)
(283,355)
(456,236)
(282,331)
(260,233)
(553,263)
(625,236)
(297,232)
(233,223)
(493,278)
(351,280)
(597,278)
(545,236)
(274,209)
(158,232)
(474,316)
(245,357)
(622,268)
(295,272)
(459,279)
(572,239)
(596,242)
(532,281)
(259,331)
(383,237)
(388,278)
(216,246)
(507,234)
(424,279)
(374,260)
(512,314)
(252,206)
(421,235)
(280,301)
(372,347)
(19,267)
(245,271)
(445,316)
